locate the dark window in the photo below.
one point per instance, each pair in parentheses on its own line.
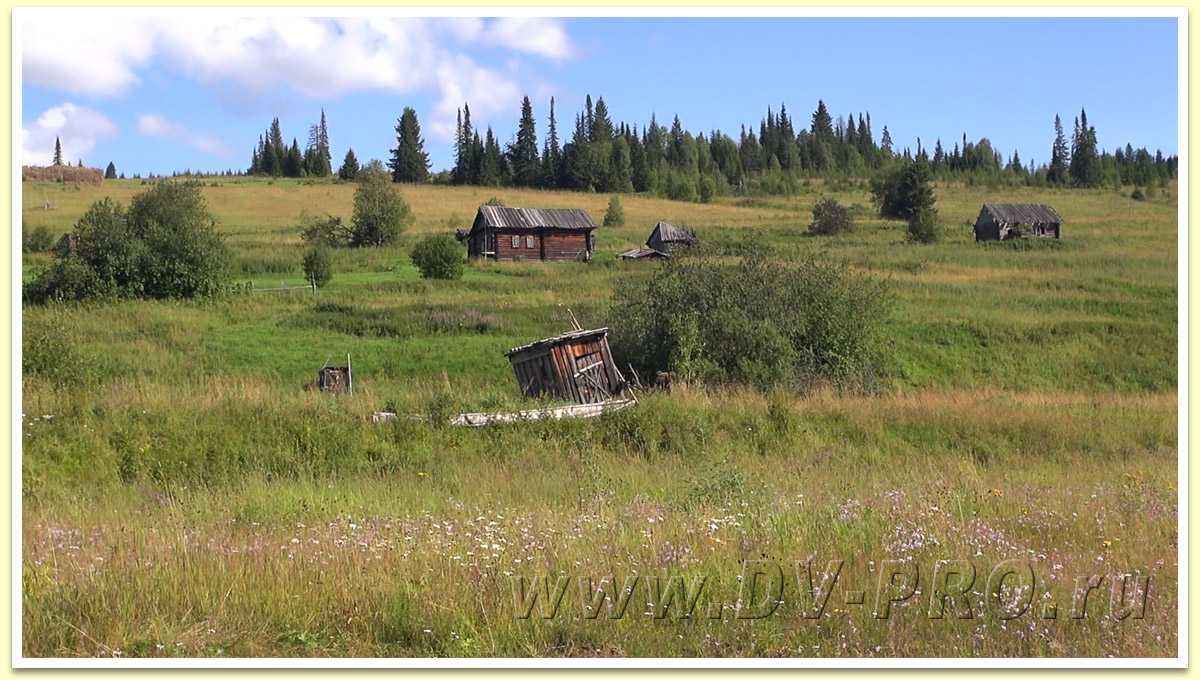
(516,241)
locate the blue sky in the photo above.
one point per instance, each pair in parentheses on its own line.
(187,90)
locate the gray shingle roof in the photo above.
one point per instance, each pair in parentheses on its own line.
(495,217)
(670,234)
(1022,213)
(570,335)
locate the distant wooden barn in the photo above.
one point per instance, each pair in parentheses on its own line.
(577,366)
(665,237)
(1001,221)
(548,235)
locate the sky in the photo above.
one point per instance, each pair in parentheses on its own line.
(193,90)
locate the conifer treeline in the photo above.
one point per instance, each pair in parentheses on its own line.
(609,157)
(616,157)
(273,158)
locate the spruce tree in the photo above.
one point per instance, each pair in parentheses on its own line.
(409,162)
(1059,155)
(349,169)
(111,171)
(552,155)
(523,152)
(1084,166)
(293,161)
(57,152)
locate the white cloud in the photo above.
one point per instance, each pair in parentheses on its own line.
(156,126)
(545,37)
(84,51)
(76,127)
(465,82)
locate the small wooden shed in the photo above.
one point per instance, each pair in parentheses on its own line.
(577,366)
(665,237)
(1001,221)
(547,235)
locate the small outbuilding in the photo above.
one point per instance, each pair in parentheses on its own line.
(1001,221)
(665,237)
(577,366)
(547,235)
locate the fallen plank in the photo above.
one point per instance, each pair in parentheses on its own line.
(555,413)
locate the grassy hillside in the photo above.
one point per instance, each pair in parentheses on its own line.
(185,492)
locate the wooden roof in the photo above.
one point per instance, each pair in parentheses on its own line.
(500,217)
(1022,213)
(640,253)
(669,234)
(572,335)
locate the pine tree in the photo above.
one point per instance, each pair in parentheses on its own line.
(349,169)
(552,155)
(493,171)
(464,146)
(275,139)
(601,126)
(1059,155)
(293,164)
(523,153)
(57,152)
(111,171)
(409,162)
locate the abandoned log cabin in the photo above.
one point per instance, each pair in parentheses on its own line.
(1001,221)
(665,237)
(577,366)
(548,235)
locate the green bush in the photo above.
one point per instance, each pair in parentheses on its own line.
(829,218)
(37,240)
(318,266)
(438,256)
(327,231)
(615,215)
(923,226)
(759,323)
(164,246)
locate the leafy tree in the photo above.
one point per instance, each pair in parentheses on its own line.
(904,191)
(111,171)
(327,231)
(615,215)
(438,256)
(829,218)
(349,169)
(380,213)
(318,265)
(164,246)
(523,152)
(410,162)
(37,240)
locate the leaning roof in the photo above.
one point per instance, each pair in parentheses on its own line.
(495,217)
(572,335)
(1023,213)
(670,234)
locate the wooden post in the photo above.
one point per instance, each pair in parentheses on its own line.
(349,375)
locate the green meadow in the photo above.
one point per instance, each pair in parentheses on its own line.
(186,492)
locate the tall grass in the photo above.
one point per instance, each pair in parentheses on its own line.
(186,492)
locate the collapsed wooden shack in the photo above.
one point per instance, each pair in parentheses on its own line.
(644,254)
(1002,221)
(665,238)
(577,366)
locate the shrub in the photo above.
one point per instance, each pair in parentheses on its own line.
(904,191)
(164,246)
(615,215)
(708,189)
(494,201)
(923,226)
(380,213)
(829,218)
(37,240)
(318,266)
(757,323)
(327,231)
(438,256)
